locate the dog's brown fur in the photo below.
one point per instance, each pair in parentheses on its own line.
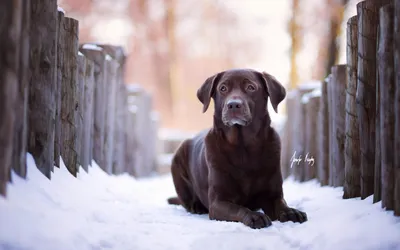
(233,169)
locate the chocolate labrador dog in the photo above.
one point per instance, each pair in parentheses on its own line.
(232,170)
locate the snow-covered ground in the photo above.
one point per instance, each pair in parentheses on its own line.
(97,211)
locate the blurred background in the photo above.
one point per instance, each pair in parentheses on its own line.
(174,45)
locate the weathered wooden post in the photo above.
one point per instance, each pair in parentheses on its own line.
(323,161)
(70,96)
(110,88)
(81,78)
(312,102)
(21,109)
(299,127)
(387,90)
(43,63)
(287,142)
(87,128)
(96,54)
(367,12)
(351,187)
(396,37)
(59,80)
(9,69)
(338,85)
(118,54)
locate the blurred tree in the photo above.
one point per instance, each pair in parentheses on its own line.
(296,38)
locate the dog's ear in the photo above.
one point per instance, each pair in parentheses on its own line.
(206,91)
(274,90)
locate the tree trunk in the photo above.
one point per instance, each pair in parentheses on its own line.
(21,108)
(397,107)
(87,136)
(296,38)
(367,12)
(338,82)
(59,77)
(43,63)
(351,188)
(70,96)
(96,54)
(387,91)
(323,140)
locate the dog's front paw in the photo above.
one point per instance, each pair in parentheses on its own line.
(291,214)
(256,220)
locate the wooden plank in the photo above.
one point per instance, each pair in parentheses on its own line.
(70,96)
(81,78)
(111,86)
(97,55)
(21,108)
(311,137)
(367,12)
(351,187)
(43,63)
(385,62)
(323,129)
(338,82)
(87,138)
(397,107)
(9,69)
(59,77)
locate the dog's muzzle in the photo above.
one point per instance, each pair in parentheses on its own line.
(236,112)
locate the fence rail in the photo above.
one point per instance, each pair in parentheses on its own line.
(59,98)
(357,129)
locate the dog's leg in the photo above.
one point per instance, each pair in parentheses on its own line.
(278,210)
(183,186)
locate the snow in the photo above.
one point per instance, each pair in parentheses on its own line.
(60,9)
(108,58)
(310,85)
(97,211)
(80,54)
(92,47)
(315,93)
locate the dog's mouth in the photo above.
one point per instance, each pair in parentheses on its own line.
(235,120)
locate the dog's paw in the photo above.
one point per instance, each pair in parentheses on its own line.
(198,208)
(291,214)
(257,220)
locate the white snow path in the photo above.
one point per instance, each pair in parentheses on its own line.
(97,211)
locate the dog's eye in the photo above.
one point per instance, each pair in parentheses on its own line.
(223,88)
(250,87)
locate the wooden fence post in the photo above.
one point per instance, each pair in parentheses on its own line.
(118,54)
(43,63)
(81,78)
(21,108)
(338,114)
(396,36)
(311,136)
(367,12)
(387,90)
(111,85)
(287,139)
(10,32)
(351,187)
(70,96)
(59,80)
(96,54)
(87,134)
(323,130)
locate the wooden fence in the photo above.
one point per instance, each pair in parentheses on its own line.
(59,98)
(346,130)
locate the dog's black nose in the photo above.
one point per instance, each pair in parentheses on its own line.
(234,104)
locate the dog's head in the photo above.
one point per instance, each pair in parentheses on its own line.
(240,95)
